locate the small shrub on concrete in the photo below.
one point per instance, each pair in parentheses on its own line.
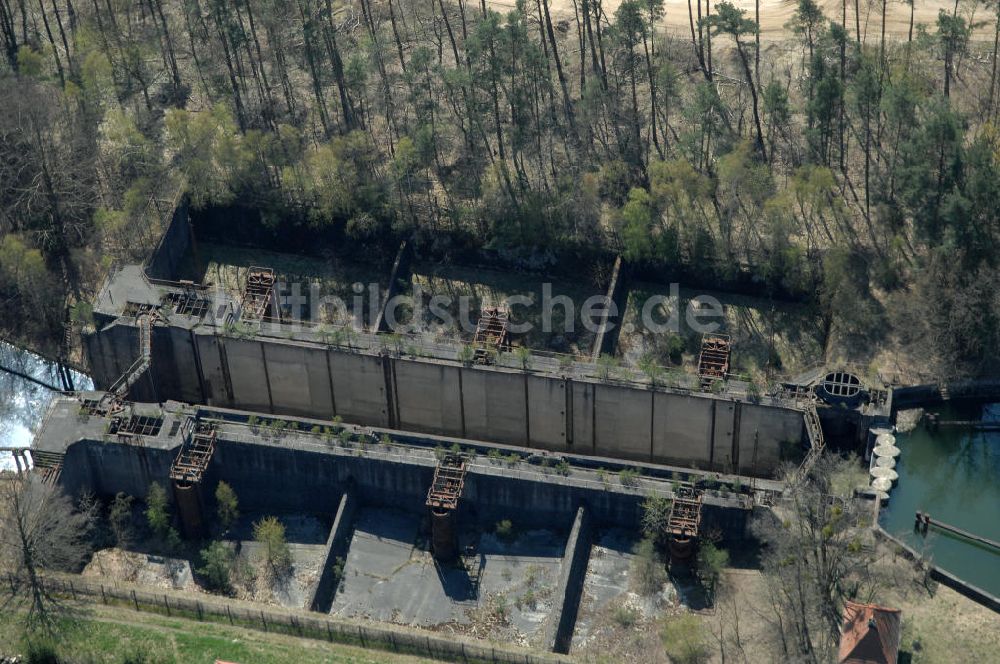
(505,530)
(466,354)
(602,475)
(629,476)
(607,366)
(647,365)
(523,357)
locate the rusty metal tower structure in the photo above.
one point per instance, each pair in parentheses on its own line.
(442,499)
(187,472)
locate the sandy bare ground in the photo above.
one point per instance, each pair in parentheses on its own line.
(775,13)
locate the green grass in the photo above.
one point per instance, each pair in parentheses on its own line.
(110,635)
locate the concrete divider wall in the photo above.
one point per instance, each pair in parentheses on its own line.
(337,544)
(428,397)
(684,430)
(610,325)
(208,352)
(623,422)
(112,467)
(547,413)
(249,373)
(299,380)
(174,245)
(111,351)
(492,404)
(570,585)
(495,406)
(358,388)
(400,272)
(759,428)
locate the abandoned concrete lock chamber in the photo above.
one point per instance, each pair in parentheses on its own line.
(188,374)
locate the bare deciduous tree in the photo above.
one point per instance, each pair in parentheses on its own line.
(40,530)
(818,553)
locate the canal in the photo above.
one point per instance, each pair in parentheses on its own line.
(954,474)
(23,402)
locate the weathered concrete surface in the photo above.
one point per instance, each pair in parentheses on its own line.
(391,576)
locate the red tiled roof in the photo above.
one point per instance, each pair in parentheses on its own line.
(871,634)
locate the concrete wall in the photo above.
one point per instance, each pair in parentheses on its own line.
(569,590)
(275,478)
(490,404)
(337,545)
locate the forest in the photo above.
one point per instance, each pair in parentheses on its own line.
(847,168)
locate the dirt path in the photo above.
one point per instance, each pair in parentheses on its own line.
(775,13)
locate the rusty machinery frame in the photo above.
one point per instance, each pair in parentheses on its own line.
(713,362)
(258,294)
(195,453)
(187,302)
(492,334)
(684,521)
(130,427)
(449,481)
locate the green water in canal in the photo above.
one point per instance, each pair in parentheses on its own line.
(954,474)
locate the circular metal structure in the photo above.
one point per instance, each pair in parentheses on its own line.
(841,387)
(887,473)
(886,450)
(885,462)
(842,384)
(882,484)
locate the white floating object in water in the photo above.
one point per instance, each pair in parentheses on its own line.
(885,461)
(884,495)
(882,484)
(886,450)
(887,473)
(885,439)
